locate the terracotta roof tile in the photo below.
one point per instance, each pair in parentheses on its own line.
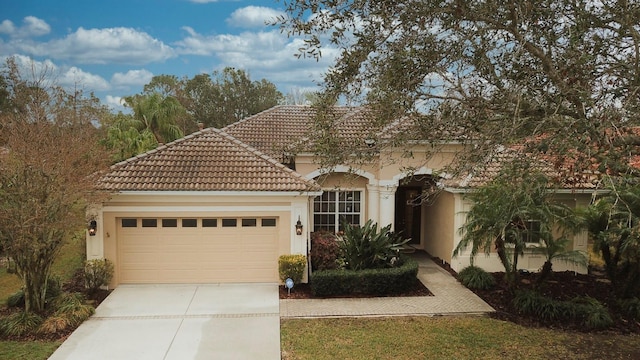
(208,160)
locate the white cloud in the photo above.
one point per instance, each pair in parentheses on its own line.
(7,27)
(103,46)
(75,77)
(253,16)
(132,77)
(32,27)
(267,55)
(203,1)
(114,102)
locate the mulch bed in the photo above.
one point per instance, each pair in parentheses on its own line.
(303,291)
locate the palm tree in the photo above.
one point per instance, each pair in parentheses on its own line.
(157,114)
(514,210)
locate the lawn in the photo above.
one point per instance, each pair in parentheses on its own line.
(444,338)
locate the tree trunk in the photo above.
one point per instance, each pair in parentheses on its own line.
(544,273)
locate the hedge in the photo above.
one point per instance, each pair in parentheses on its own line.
(369,281)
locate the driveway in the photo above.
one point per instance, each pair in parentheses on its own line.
(215,321)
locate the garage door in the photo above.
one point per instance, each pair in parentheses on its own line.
(197,250)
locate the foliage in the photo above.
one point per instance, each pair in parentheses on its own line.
(28,350)
(493,73)
(97,273)
(381,281)
(324,250)
(292,267)
(54,289)
(156,114)
(631,307)
(501,209)
(585,310)
(20,323)
(613,222)
(70,311)
(44,189)
(364,247)
(475,277)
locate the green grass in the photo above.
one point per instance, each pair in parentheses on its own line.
(444,338)
(27,350)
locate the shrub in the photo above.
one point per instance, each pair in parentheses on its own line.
(364,247)
(20,323)
(292,266)
(585,310)
(369,281)
(324,250)
(97,273)
(474,277)
(630,307)
(70,311)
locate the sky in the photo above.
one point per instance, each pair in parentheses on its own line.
(114,47)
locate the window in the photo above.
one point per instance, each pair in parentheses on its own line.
(333,207)
(149,222)
(169,223)
(528,231)
(268,222)
(129,223)
(249,222)
(532,231)
(209,222)
(229,222)
(189,223)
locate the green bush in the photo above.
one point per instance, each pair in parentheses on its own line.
(585,310)
(630,307)
(19,324)
(324,250)
(474,277)
(292,266)
(364,247)
(97,273)
(70,311)
(369,281)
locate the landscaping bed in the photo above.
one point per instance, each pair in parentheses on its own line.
(303,291)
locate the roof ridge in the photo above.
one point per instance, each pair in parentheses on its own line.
(161,147)
(262,155)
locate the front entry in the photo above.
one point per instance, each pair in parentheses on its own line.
(409,212)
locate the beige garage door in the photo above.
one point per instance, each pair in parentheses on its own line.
(197,250)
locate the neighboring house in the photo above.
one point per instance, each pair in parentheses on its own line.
(222,205)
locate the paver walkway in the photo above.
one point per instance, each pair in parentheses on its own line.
(450,298)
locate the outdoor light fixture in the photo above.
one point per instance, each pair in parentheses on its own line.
(92,227)
(299,227)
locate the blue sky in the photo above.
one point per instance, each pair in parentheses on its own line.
(114,47)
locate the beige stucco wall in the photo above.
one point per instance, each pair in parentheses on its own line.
(438,220)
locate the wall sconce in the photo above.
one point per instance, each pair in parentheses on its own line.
(92,227)
(299,227)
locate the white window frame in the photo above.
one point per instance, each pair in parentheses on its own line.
(337,212)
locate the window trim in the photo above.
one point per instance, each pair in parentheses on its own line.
(361,213)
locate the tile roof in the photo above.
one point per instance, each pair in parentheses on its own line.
(282,128)
(208,160)
(485,172)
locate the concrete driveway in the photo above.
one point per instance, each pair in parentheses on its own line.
(215,321)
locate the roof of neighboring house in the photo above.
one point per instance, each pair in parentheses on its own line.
(207,160)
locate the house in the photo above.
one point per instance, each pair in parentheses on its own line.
(222,205)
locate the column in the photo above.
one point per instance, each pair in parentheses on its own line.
(387,205)
(373,203)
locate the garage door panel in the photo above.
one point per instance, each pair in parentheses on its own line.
(198,255)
